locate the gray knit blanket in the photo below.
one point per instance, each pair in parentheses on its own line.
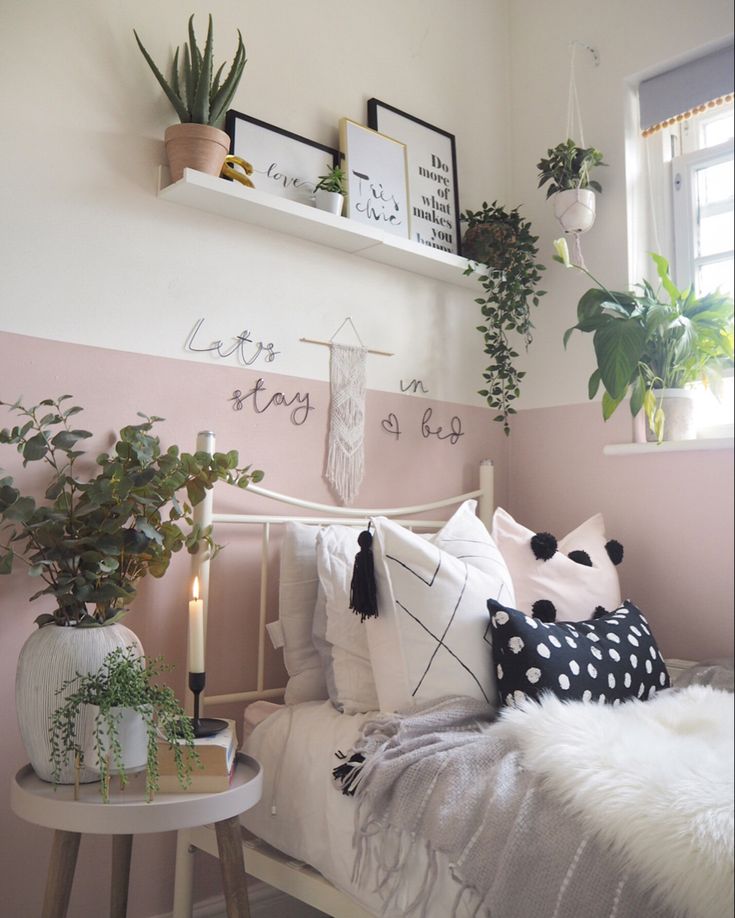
(441,778)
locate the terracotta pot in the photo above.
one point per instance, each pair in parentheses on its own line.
(195,146)
(575,209)
(49,657)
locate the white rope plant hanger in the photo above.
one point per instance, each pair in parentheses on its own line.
(575,208)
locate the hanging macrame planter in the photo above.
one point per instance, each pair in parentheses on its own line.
(575,208)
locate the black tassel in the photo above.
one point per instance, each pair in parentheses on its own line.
(363,595)
(348,775)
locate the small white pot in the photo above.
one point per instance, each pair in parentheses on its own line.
(133,737)
(575,209)
(331,201)
(679,416)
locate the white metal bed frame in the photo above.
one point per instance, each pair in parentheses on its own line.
(261,861)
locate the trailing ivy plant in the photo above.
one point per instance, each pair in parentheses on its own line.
(124,680)
(104,523)
(502,241)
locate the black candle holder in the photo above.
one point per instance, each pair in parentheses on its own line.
(202,726)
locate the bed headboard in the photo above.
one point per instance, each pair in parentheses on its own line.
(323,514)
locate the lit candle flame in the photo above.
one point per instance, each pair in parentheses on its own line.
(195,589)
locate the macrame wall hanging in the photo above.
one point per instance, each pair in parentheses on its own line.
(345,465)
(575,207)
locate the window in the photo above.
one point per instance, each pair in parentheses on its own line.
(702,180)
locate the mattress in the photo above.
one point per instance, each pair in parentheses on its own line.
(303,814)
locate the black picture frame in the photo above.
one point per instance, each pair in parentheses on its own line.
(432,181)
(284,164)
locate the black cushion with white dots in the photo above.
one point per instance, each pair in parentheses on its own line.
(608,659)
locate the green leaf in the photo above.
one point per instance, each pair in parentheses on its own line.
(21,511)
(65,439)
(618,347)
(594,384)
(35,448)
(662,266)
(6,562)
(609,404)
(172,97)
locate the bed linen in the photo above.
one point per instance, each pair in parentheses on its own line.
(303,814)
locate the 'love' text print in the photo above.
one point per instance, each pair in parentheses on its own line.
(247,350)
(260,403)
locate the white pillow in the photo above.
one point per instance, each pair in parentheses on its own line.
(338,634)
(431,637)
(575,588)
(297,593)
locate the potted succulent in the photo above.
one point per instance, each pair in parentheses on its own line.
(130,714)
(102,525)
(566,168)
(200,96)
(653,345)
(509,276)
(329,193)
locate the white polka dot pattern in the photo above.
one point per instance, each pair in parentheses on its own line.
(598,669)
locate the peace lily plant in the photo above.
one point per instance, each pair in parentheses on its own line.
(651,340)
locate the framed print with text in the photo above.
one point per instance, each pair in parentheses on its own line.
(284,164)
(377,187)
(432,175)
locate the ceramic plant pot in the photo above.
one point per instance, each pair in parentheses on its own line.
(575,209)
(195,146)
(49,657)
(132,735)
(679,415)
(330,201)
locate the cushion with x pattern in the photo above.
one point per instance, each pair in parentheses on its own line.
(430,638)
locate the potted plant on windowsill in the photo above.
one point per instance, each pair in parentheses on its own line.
(566,168)
(653,345)
(502,242)
(200,97)
(130,714)
(101,526)
(329,193)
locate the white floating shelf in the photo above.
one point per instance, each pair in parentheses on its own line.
(672,446)
(248,205)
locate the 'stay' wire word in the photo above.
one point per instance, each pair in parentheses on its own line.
(299,414)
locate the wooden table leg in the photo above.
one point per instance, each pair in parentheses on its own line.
(122,849)
(229,845)
(60,874)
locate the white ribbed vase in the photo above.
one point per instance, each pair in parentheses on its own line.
(49,657)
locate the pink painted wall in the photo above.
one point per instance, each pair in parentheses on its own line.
(113,386)
(673,512)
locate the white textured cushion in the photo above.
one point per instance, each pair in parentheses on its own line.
(575,589)
(432,632)
(297,595)
(338,634)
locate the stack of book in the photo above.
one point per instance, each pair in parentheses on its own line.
(217,757)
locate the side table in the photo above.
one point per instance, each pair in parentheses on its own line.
(128,814)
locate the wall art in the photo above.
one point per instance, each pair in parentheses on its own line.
(432,175)
(284,164)
(377,186)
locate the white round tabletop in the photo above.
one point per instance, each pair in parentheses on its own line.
(127,813)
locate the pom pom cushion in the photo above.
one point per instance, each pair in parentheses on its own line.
(431,636)
(609,659)
(569,579)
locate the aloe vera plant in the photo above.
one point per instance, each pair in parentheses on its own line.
(199,95)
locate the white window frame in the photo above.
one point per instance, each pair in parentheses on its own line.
(685,208)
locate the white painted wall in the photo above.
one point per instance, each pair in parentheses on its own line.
(632,38)
(90,255)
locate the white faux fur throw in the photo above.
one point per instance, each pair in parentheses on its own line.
(654,778)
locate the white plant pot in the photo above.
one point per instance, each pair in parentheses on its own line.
(132,735)
(679,415)
(49,657)
(575,209)
(331,201)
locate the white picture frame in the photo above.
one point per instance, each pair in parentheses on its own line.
(377,179)
(284,164)
(432,175)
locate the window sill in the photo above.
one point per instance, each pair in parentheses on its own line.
(672,446)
